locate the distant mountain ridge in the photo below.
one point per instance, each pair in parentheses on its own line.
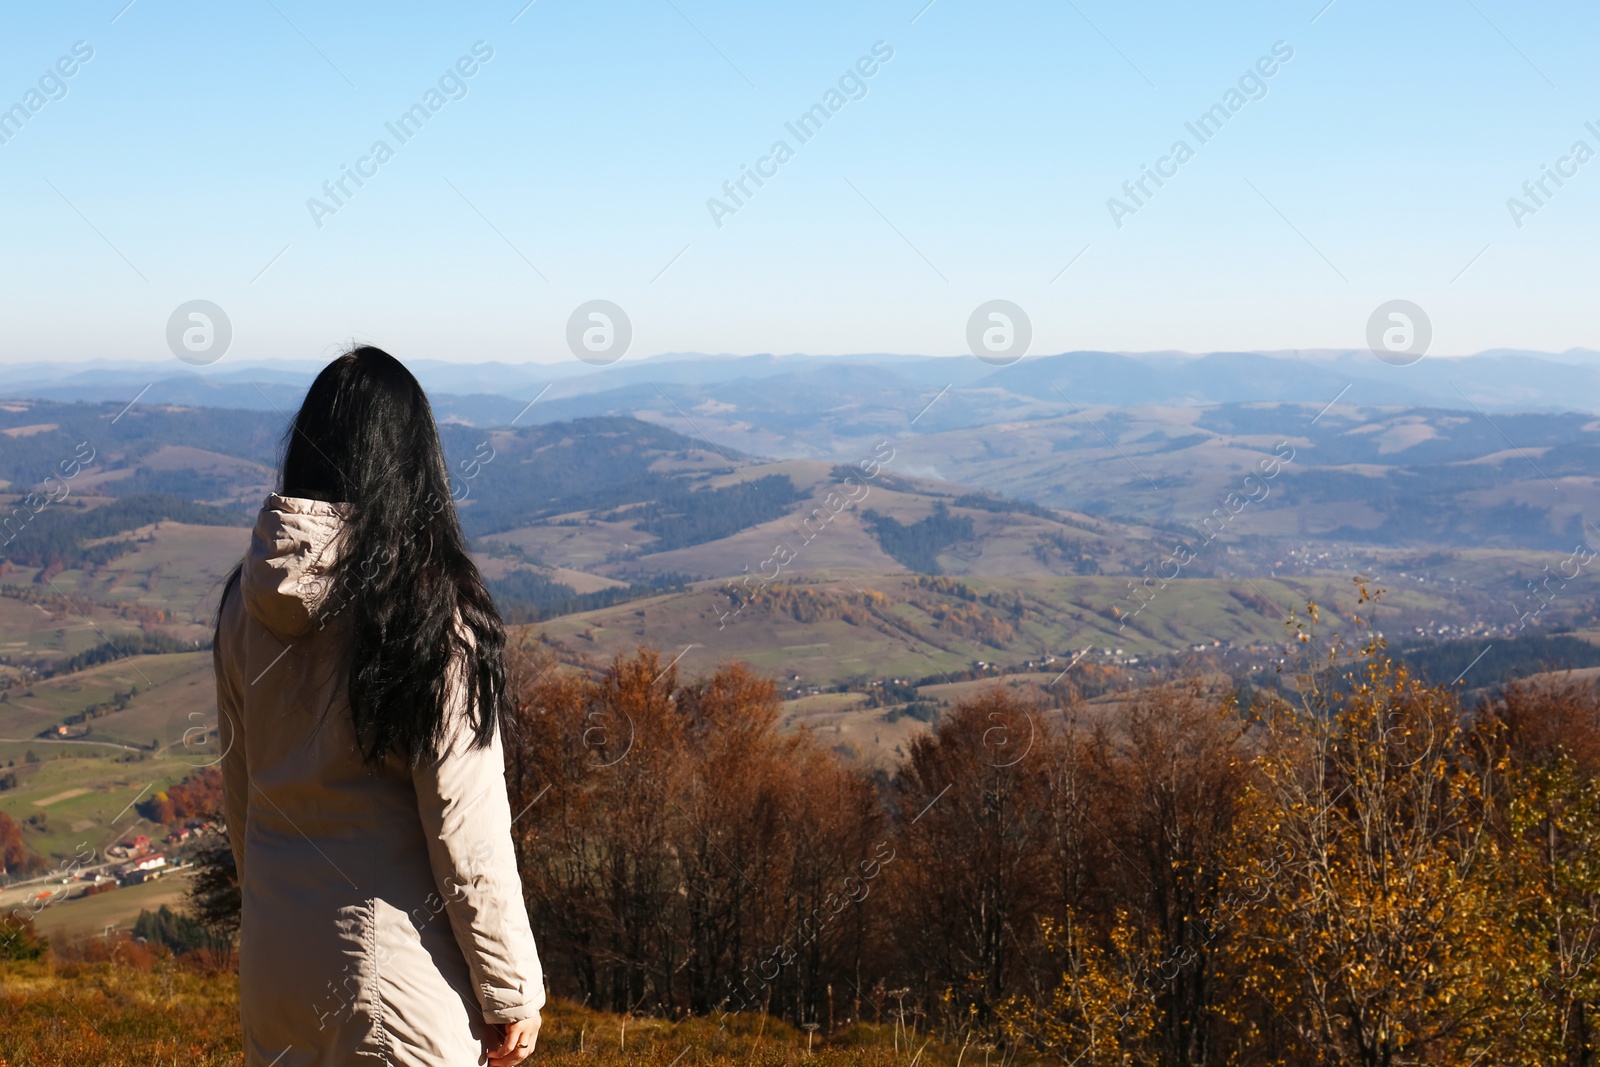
(492,393)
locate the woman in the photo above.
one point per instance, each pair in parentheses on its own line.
(360,677)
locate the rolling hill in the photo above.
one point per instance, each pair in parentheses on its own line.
(889,537)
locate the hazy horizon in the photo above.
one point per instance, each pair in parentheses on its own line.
(1575,353)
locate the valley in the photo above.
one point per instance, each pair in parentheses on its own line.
(878,563)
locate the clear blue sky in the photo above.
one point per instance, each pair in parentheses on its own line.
(1377,165)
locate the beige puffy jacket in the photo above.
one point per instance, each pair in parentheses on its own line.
(383,919)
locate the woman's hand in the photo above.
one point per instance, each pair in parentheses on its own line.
(514,1044)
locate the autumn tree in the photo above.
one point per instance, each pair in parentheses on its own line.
(973,837)
(1087,997)
(14,854)
(1372,925)
(1349,870)
(734,797)
(1548,733)
(1168,780)
(592,763)
(1099,1011)
(837,884)
(214,900)
(679,851)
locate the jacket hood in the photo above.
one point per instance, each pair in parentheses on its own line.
(294,543)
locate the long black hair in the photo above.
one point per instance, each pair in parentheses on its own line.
(419,620)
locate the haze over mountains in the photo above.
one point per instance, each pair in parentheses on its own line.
(795,392)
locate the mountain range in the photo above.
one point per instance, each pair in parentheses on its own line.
(796,395)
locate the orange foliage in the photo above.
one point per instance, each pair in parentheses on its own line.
(197,796)
(13,853)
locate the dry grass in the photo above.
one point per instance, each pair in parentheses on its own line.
(110,1014)
(137,1009)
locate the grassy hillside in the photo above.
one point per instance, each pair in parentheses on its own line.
(131,700)
(834,524)
(615,501)
(833,629)
(1383,476)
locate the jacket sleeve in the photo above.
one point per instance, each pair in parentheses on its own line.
(235,769)
(466,817)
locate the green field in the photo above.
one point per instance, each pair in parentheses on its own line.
(95,797)
(173,567)
(165,690)
(55,630)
